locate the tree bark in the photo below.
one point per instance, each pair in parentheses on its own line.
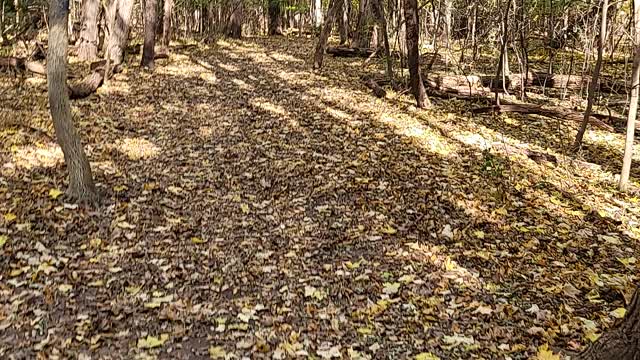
(119,18)
(150,17)
(343,22)
(81,186)
(88,46)
(334,6)
(621,342)
(382,21)
(275,18)
(417,87)
(317,14)
(633,102)
(503,56)
(594,78)
(166,23)
(362,31)
(235,22)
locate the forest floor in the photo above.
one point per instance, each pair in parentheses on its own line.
(255,208)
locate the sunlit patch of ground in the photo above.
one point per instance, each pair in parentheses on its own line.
(137,148)
(44,155)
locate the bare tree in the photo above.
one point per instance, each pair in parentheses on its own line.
(334,6)
(234,29)
(633,102)
(593,86)
(378,10)
(316,14)
(275,17)
(150,17)
(88,43)
(166,23)
(118,20)
(417,87)
(343,22)
(81,186)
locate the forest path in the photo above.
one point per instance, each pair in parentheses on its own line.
(255,207)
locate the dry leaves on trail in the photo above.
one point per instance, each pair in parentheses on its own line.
(255,207)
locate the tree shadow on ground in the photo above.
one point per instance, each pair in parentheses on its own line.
(290,210)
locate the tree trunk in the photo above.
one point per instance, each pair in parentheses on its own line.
(2,23)
(502,69)
(382,21)
(621,342)
(81,186)
(633,102)
(275,18)
(361,33)
(343,22)
(334,6)
(150,17)
(88,46)
(235,22)
(417,87)
(119,16)
(596,74)
(317,14)
(166,23)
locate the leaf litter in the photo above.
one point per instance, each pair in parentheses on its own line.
(253,206)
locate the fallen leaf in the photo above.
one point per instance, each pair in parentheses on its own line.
(151,342)
(427,356)
(55,193)
(391,288)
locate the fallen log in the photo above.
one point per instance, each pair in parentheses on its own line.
(23,65)
(90,83)
(554,81)
(87,86)
(552,112)
(342,51)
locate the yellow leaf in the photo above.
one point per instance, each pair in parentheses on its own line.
(197,240)
(151,342)
(55,193)
(217,352)
(365,331)
(3,240)
(554,200)
(391,288)
(592,336)
(502,211)
(628,261)
(65,288)
(120,188)
(97,283)
(545,354)
(19,271)
(351,265)
(9,217)
(409,278)
(244,208)
(388,229)
(479,234)
(619,313)
(133,290)
(427,356)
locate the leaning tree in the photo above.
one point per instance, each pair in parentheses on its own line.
(81,186)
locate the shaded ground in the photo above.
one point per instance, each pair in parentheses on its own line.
(255,207)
